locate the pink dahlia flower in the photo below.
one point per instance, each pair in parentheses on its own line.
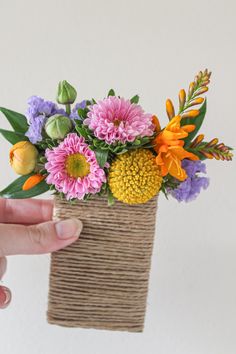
(118,120)
(73,168)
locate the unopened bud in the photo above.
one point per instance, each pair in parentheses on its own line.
(66,94)
(58,126)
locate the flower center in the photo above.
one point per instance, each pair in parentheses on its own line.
(117,122)
(77,165)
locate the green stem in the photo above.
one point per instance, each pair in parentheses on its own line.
(68,109)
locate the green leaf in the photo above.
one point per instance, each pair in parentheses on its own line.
(196,152)
(14,190)
(101,156)
(135,99)
(82,112)
(111,93)
(81,131)
(13,137)
(17,120)
(137,142)
(123,151)
(197,121)
(110,198)
(16,185)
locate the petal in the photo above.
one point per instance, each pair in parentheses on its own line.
(181,153)
(188,128)
(173,164)
(156,123)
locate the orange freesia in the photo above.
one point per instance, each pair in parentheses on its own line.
(169,147)
(32,181)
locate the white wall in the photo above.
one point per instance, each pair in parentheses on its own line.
(153,48)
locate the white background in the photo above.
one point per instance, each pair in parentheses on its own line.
(153,48)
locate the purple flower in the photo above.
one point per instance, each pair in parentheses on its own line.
(37,113)
(74,114)
(189,189)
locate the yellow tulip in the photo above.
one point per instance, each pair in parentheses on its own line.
(23,157)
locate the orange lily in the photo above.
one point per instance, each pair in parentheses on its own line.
(169,147)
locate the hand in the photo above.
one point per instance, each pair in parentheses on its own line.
(26,228)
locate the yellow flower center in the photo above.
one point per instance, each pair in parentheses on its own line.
(77,165)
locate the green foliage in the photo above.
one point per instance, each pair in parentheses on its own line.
(17,120)
(111,93)
(47,143)
(168,182)
(141,142)
(120,148)
(110,198)
(83,130)
(82,112)
(135,99)
(209,150)
(101,156)
(196,152)
(14,190)
(197,121)
(13,137)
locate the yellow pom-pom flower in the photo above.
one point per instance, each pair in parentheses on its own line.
(134,177)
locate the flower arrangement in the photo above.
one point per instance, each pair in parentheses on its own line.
(111,147)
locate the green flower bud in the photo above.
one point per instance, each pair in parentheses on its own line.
(66,94)
(58,126)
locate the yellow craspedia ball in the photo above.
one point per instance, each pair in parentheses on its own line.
(134,177)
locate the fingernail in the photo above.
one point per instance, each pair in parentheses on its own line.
(68,228)
(3,267)
(5,297)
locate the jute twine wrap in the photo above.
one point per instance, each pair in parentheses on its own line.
(101,281)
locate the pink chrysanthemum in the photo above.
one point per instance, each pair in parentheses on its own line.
(118,120)
(73,168)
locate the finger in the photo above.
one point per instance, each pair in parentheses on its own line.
(36,239)
(3,266)
(25,211)
(5,297)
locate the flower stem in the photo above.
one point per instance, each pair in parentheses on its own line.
(68,109)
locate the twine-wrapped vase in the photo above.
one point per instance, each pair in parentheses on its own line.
(101,281)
